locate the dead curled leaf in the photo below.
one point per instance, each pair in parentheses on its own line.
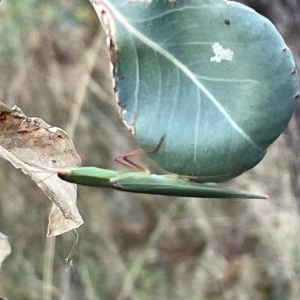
(5,248)
(39,150)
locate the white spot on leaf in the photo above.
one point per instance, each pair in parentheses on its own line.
(227,2)
(221,53)
(53,129)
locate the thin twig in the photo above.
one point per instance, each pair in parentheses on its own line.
(83,82)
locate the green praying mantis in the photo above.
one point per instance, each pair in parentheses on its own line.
(147,183)
(144,182)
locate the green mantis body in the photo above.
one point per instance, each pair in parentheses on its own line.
(147,183)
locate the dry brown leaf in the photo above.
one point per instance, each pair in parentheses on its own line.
(5,248)
(39,149)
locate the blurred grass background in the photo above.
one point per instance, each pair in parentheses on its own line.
(53,58)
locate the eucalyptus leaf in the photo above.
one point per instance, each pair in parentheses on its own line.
(214,77)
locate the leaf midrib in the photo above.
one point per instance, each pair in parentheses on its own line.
(193,77)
